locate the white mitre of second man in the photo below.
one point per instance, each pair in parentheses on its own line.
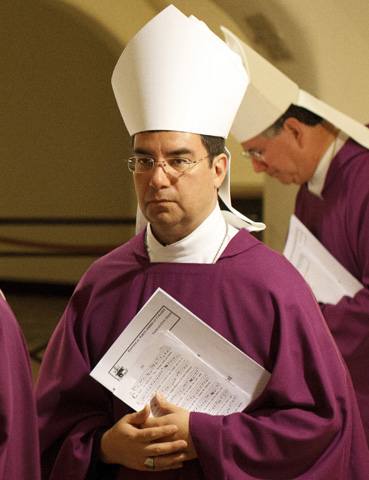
(270,93)
(176,74)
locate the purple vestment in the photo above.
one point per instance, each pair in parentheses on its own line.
(19,447)
(305,424)
(340,221)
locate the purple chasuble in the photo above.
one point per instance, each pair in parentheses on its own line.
(340,221)
(305,424)
(19,447)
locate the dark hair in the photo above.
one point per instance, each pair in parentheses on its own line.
(214,145)
(301,114)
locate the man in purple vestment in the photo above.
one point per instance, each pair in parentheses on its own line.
(19,447)
(305,424)
(296,138)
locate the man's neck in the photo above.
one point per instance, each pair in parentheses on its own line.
(316,183)
(203,245)
(169,234)
(328,135)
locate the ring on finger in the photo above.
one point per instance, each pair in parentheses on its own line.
(149,463)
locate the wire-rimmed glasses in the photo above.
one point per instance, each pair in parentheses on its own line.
(256,153)
(174,166)
(253,154)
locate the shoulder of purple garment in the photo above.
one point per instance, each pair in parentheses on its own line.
(241,243)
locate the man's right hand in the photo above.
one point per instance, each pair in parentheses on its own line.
(128,445)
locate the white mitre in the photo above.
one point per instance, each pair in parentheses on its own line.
(270,93)
(176,74)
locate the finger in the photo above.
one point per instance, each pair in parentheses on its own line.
(140,417)
(169,462)
(153,434)
(165,448)
(163,404)
(152,422)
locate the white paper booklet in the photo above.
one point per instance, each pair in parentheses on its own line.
(168,349)
(328,279)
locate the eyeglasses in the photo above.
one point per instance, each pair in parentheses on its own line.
(174,166)
(257,153)
(253,154)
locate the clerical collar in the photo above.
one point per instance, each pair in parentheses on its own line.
(316,183)
(203,245)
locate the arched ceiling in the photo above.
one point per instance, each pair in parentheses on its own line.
(327,42)
(60,126)
(57,57)
(62,137)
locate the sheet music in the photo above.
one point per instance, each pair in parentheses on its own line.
(166,348)
(328,279)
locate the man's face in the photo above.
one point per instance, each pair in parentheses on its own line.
(279,157)
(175,205)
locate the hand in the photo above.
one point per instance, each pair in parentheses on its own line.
(126,443)
(173,415)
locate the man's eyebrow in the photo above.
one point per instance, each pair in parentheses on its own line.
(142,151)
(179,151)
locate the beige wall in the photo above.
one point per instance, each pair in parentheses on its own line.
(328,43)
(334,34)
(62,138)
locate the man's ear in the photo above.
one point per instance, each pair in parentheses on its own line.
(295,129)
(220,165)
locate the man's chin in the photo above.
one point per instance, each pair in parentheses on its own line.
(163,218)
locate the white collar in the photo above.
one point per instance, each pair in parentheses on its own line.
(203,245)
(316,183)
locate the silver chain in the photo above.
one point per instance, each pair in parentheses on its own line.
(221,245)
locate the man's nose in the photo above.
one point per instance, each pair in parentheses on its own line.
(162,164)
(159,175)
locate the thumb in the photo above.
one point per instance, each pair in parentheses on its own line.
(140,417)
(163,404)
